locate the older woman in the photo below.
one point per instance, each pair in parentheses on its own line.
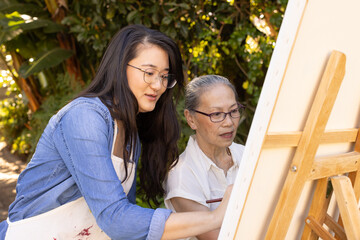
(211,159)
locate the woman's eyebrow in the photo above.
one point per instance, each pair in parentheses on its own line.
(152,66)
(219,108)
(148,65)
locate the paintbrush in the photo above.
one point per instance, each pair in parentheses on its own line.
(214,200)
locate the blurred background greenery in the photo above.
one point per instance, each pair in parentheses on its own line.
(50,50)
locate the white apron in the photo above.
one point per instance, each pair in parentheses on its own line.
(72,220)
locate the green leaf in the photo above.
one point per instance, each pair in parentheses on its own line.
(184,5)
(47,60)
(137,19)
(54,28)
(122,8)
(147,22)
(155,18)
(6,7)
(32,25)
(6,36)
(154,8)
(184,30)
(166,20)
(71,20)
(171,32)
(130,17)
(110,13)
(226,50)
(49,26)
(77,29)
(82,36)
(10,20)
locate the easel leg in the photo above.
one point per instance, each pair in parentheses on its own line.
(350,214)
(354,177)
(318,208)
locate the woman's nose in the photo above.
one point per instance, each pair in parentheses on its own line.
(156,84)
(228,120)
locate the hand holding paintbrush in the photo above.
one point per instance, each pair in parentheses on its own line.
(224,202)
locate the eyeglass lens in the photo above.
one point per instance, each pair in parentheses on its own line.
(220,116)
(151,75)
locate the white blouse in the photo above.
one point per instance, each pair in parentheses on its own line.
(197,178)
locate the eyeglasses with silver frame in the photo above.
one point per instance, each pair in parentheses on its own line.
(151,75)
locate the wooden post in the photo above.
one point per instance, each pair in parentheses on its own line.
(348,206)
(317,210)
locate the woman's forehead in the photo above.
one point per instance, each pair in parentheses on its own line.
(151,56)
(217,96)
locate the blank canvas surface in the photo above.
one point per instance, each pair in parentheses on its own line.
(310,31)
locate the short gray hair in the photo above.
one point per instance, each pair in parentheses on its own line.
(195,88)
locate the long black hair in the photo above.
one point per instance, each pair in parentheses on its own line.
(159,129)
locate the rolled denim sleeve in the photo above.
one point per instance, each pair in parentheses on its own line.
(158,223)
(82,138)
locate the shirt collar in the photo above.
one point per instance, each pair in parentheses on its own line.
(207,163)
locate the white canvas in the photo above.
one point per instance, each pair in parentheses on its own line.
(310,31)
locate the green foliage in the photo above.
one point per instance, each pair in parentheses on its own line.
(46,60)
(13,117)
(9,6)
(186,131)
(33,37)
(230,38)
(61,93)
(21,144)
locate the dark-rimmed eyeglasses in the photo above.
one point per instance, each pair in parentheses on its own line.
(217,117)
(151,75)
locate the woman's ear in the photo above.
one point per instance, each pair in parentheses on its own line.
(190,119)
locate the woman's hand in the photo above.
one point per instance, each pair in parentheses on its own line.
(186,224)
(219,212)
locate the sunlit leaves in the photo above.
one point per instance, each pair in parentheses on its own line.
(48,59)
(13,116)
(230,38)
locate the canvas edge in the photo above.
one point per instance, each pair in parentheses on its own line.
(262,117)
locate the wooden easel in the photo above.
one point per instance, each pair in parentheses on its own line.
(306,167)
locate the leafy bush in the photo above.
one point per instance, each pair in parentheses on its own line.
(230,38)
(21,144)
(13,118)
(61,93)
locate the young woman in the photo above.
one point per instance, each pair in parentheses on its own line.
(80,182)
(211,159)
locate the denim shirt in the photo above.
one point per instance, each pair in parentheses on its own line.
(73,159)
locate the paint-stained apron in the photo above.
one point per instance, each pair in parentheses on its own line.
(72,220)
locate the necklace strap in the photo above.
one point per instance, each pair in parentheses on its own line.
(228,151)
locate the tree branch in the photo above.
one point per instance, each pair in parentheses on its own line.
(273,33)
(241,68)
